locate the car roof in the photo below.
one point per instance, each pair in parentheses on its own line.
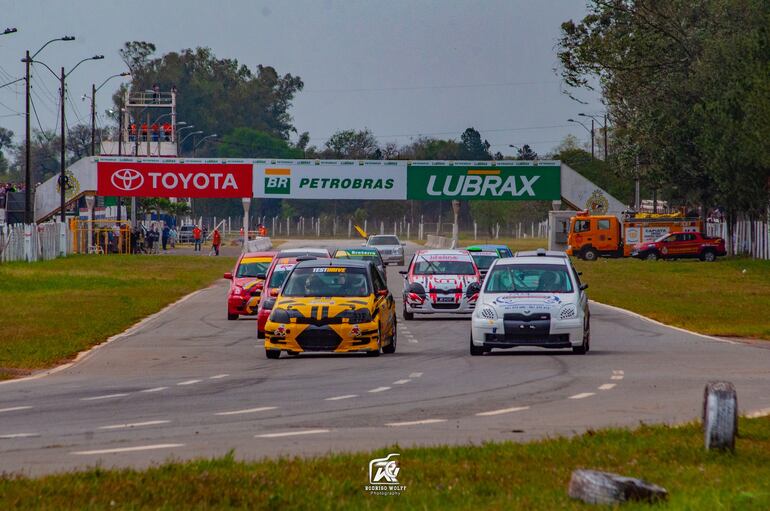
(487,247)
(540,253)
(304,251)
(248,255)
(556,261)
(370,250)
(336,263)
(443,251)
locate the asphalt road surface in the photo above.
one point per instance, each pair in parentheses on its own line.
(189,383)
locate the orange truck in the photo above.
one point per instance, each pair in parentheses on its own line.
(593,236)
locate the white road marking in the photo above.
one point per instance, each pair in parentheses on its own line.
(292,433)
(583,395)
(415,375)
(248,410)
(127,449)
(616,377)
(188,382)
(154,389)
(14,408)
(379,389)
(337,398)
(106,396)
(762,412)
(607,386)
(416,423)
(618,371)
(19,435)
(502,411)
(134,425)
(413,340)
(218,376)
(401,382)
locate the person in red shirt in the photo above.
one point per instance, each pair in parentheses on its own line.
(216,241)
(155,132)
(167,132)
(196,239)
(144,132)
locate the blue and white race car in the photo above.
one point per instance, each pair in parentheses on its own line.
(533,300)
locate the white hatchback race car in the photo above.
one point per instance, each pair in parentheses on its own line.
(531,301)
(440,281)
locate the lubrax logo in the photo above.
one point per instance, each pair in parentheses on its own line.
(278,181)
(481,183)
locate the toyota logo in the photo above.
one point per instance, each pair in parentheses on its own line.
(127,179)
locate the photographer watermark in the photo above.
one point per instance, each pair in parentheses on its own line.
(383,476)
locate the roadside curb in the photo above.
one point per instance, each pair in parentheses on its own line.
(656,322)
(83,355)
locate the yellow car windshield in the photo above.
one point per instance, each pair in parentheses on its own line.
(328,281)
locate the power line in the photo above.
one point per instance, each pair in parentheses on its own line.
(39,125)
(433,87)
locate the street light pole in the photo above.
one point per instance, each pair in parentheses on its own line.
(93,119)
(590,131)
(28,209)
(62,163)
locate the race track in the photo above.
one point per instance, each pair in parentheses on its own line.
(189,383)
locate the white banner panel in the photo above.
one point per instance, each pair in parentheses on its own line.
(328,179)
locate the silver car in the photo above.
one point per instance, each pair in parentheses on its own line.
(391,249)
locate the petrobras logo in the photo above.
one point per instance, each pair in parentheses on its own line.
(277,181)
(481,183)
(127,179)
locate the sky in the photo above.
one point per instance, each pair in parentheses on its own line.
(402,68)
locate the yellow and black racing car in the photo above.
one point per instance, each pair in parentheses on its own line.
(332,305)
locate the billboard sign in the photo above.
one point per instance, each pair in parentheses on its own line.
(512,180)
(306,179)
(182,179)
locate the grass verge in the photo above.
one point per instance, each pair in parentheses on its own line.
(491,476)
(711,298)
(54,309)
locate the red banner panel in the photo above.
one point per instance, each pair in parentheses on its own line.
(198,180)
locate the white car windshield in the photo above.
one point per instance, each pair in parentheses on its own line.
(383,240)
(431,266)
(327,281)
(528,278)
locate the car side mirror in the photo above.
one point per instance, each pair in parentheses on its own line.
(382,292)
(228,276)
(261,276)
(583,287)
(274,293)
(403,244)
(403,272)
(580,273)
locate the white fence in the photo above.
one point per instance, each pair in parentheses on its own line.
(750,237)
(31,242)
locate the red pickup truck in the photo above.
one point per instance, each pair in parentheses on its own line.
(681,244)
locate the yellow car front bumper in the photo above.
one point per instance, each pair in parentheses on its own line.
(337,338)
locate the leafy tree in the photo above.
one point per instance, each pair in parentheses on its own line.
(215,94)
(250,143)
(684,82)
(352,144)
(472,147)
(526,153)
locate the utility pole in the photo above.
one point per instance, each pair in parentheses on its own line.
(592,138)
(120,153)
(27,150)
(605,137)
(93,119)
(62,163)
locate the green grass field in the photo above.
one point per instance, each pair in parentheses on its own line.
(508,475)
(54,309)
(711,298)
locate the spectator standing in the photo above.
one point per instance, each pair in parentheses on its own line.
(166,234)
(172,235)
(196,239)
(216,241)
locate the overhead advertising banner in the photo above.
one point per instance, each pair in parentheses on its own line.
(320,179)
(514,180)
(183,179)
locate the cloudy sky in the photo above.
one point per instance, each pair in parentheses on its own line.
(402,68)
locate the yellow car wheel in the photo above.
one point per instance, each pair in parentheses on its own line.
(391,348)
(273,354)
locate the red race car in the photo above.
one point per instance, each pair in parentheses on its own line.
(276,274)
(681,244)
(247,280)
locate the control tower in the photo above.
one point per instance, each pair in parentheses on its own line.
(147,125)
